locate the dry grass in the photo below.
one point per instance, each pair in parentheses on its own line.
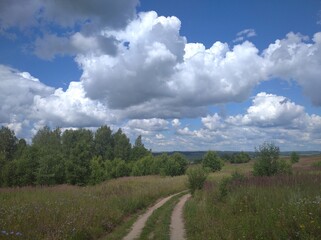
(70,212)
(278,207)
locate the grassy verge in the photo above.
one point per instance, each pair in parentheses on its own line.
(70,212)
(279,207)
(158,225)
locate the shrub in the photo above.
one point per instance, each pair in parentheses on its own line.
(212,161)
(196,177)
(268,162)
(294,157)
(241,157)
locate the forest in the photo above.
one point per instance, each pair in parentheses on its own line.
(79,157)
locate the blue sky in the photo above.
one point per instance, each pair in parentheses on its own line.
(186,75)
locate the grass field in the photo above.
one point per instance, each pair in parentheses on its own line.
(70,212)
(279,207)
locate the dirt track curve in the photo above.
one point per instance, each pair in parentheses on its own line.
(140,222)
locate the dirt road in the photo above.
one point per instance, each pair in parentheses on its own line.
(140,223)
(177,220)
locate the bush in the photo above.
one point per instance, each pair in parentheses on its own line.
(196,177)
(268,162)
(241,157)
(294,157)
(224,186)
(212,161)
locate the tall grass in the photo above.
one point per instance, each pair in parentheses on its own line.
(70,212)
(279,207)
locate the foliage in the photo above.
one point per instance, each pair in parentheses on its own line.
(122,146)
(104,143)
(8,143)
(97,173)
(241,157)
(139,151)
(79,157)
(294,157)
(78,151)
(212,161)
(196,177)
(267,161)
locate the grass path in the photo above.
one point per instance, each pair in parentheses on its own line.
(141,221)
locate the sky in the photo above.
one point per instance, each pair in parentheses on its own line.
(186,74)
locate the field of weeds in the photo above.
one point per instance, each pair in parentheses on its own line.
(278,207)
(70,212)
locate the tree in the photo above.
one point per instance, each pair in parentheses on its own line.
(8,143)
(51,163)
(27,166)
(267,161)
(122,145)
(182,162)
(139,151)
(97,171)
(78,149)
(212,161)
(104,143)
(171,168)
(294,157)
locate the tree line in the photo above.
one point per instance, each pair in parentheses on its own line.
(79,157)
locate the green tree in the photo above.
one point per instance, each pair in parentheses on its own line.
(170,168)
(9,174)
(212,161)
(104,143)
(51,164)
(122,146)
(240,157)
(139,151)
(267,161)
(182,162)
(8,143)
(120,168)
(294,157)
(97,171)
(143,166)
(27,166)
(78,146)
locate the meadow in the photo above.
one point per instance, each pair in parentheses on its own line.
(71,212)
(277,207)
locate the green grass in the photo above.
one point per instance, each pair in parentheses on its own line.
(317,164)
(70,212)
(279,207)
(158,225)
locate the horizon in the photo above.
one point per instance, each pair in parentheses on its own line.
(185,75)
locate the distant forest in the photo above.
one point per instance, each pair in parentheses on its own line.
(79,157)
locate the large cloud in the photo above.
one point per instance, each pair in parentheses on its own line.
(269,110)
(89,17)
(269,118)
(156,67)
(295,58)
(28,104)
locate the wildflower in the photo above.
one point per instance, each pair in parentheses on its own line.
(3,232)
(18,234)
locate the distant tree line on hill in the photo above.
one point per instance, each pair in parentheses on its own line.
(79,157)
